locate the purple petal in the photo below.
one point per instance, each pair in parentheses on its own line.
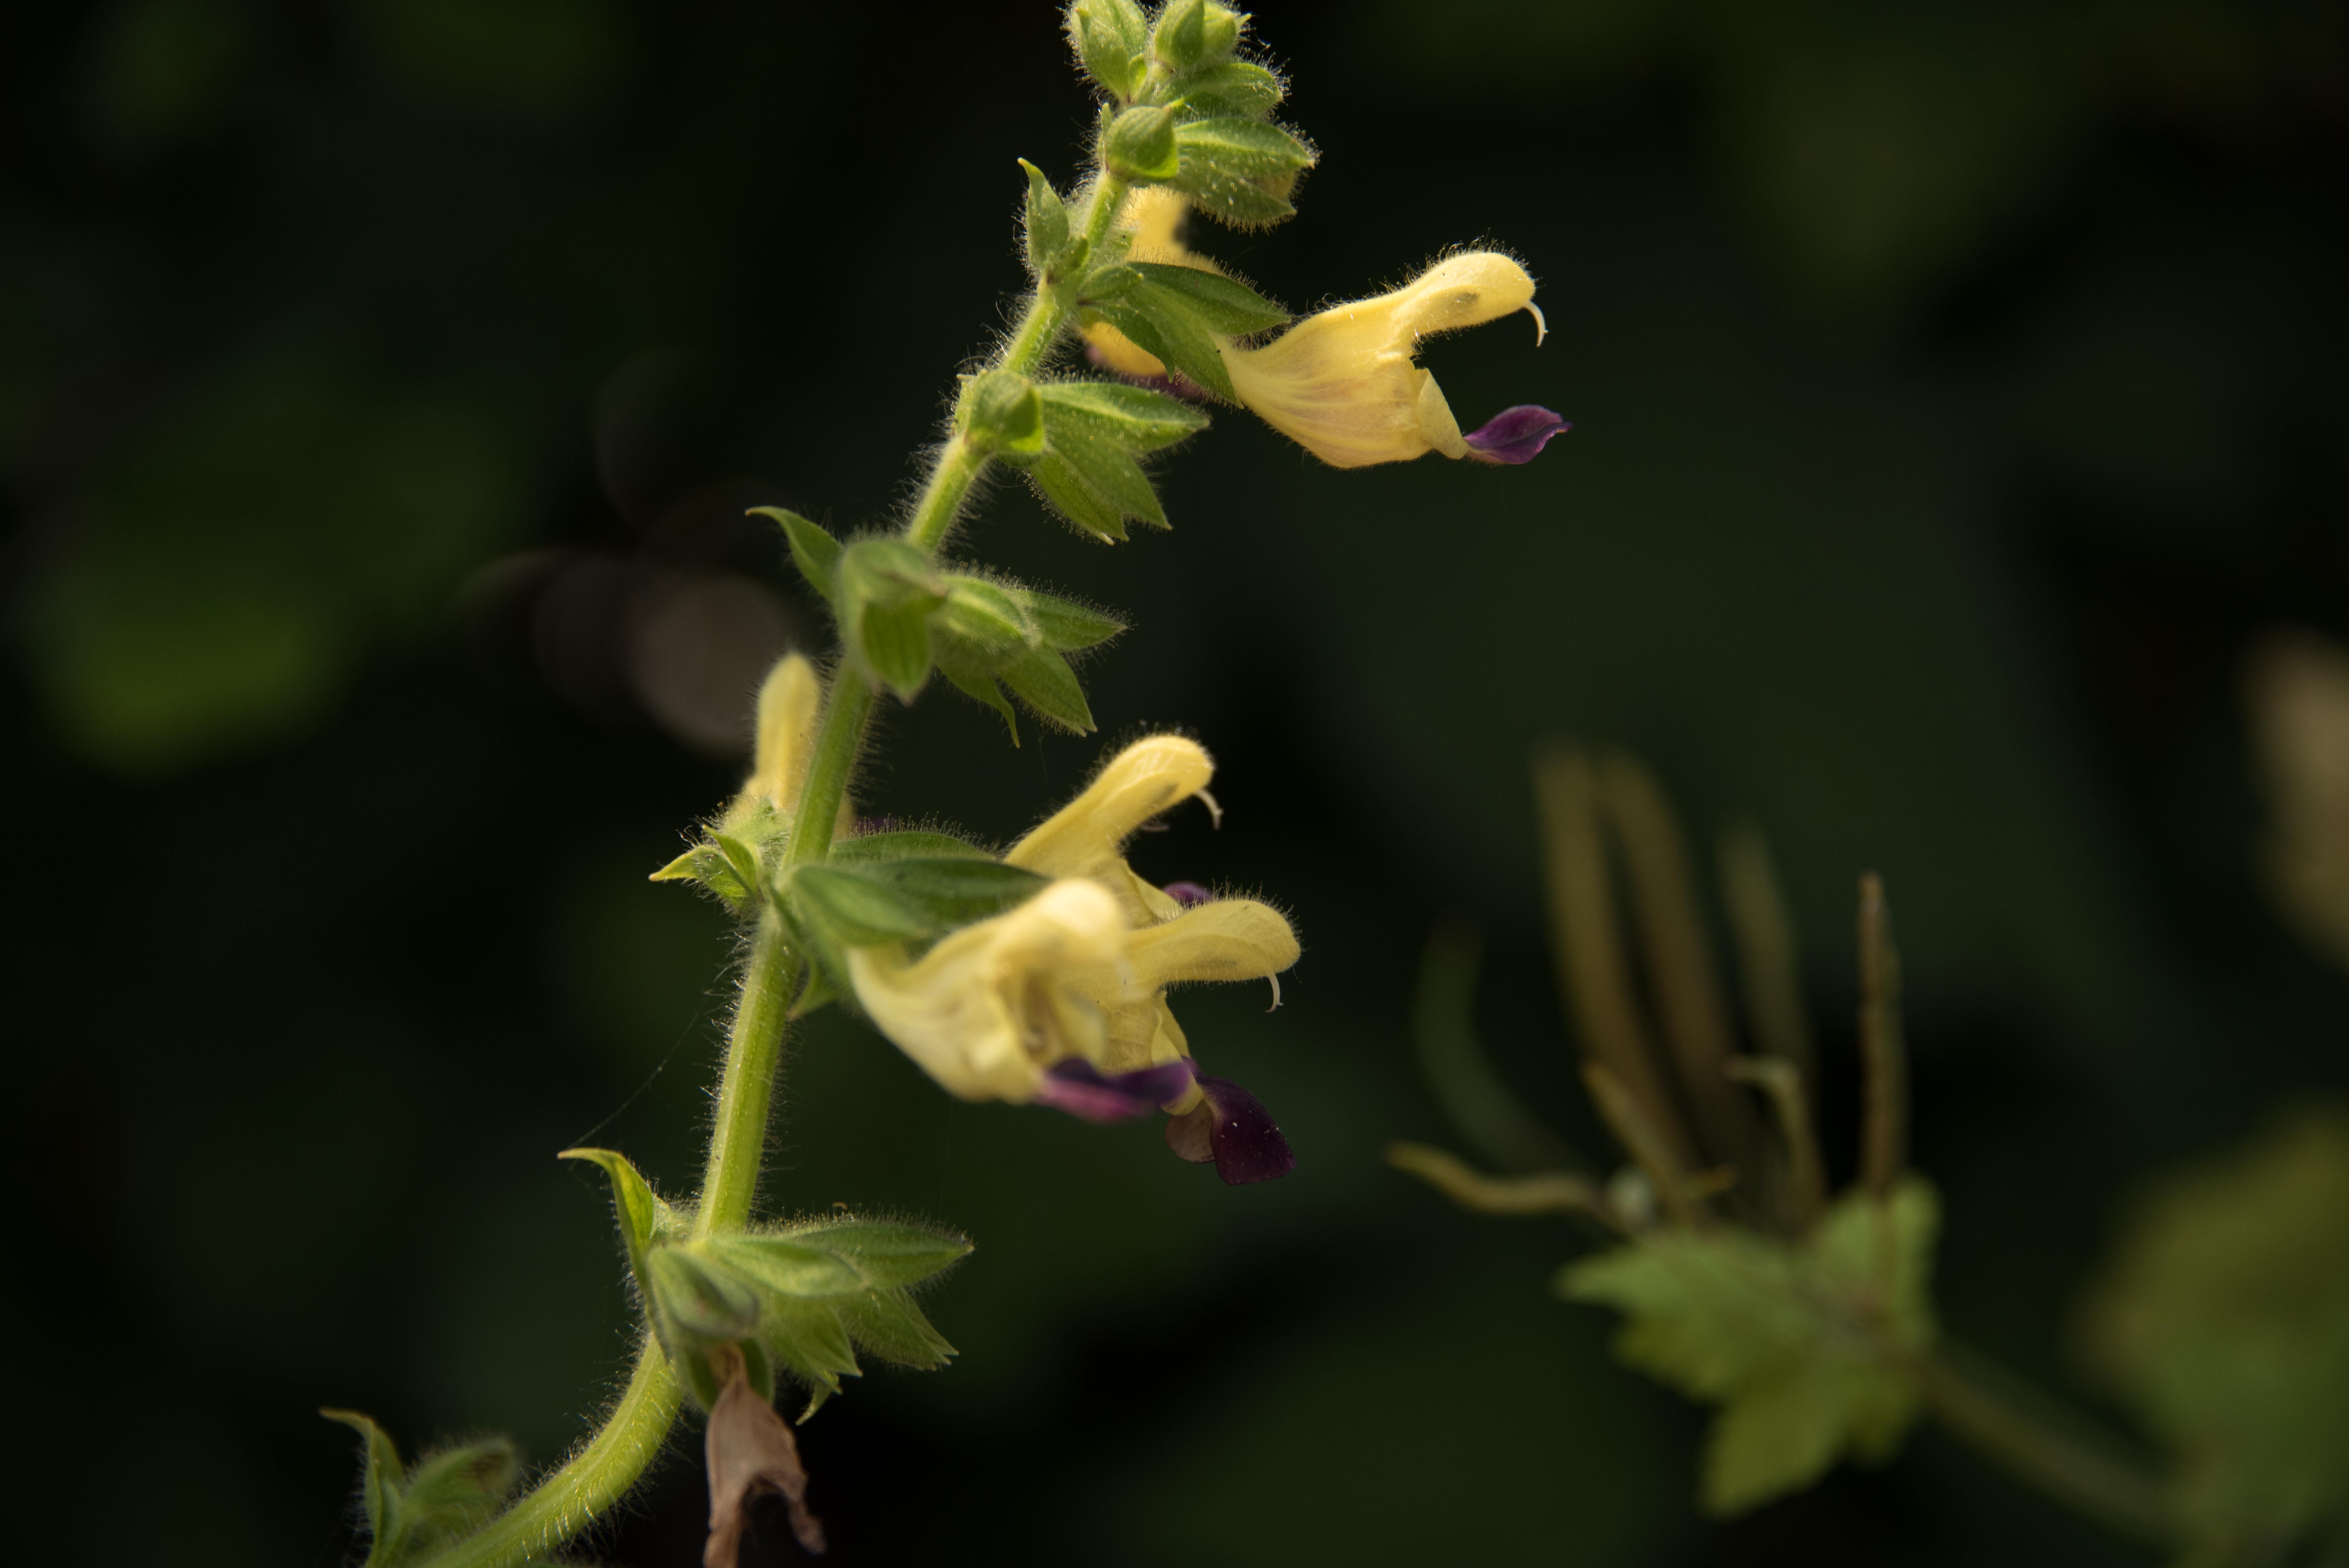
(1516,434)
(1189,894)
(1082,1089)
(1245,1142)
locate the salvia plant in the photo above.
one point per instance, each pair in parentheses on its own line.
(1036,975)
(1804,1317)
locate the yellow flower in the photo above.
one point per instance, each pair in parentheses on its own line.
(1343,384)
(789,700)
(1063,1000)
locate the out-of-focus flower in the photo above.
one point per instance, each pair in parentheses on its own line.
(1063,1000)
(789,700)
(1343,384)
(2299,697)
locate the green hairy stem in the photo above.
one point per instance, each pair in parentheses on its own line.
(582,1490)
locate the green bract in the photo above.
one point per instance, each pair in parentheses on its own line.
(1109,37)
(447,1495)
(1806,1348)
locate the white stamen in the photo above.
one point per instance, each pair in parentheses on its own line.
(1541,327)
(1276,994)
(1215,813)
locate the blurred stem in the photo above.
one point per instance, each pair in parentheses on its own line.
(574,1497)
(754,1048)
(2044,1445)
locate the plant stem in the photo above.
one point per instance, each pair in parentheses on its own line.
(754,1048)
(2045,1446)
(574,1497)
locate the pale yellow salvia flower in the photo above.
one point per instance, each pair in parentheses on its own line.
(1344,384)
(791,700)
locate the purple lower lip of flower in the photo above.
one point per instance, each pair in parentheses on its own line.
(1082,1089)
(1516,434)
(1189,894)
(1232,1127)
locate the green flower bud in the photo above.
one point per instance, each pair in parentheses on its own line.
(1109,37)
(1140,146)
(1195,33)
(1002,415)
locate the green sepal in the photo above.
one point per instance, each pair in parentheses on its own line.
(983,688)
(815,553)
(1234,88)
(1109,37)
(1217,303)
(888,1324)
(1238,201)
(908,899)
(887,1254)
(710,866)
(1044,681)
(1047,227)
(697,1297)
(903,844)
(741,865)
(1139,147)
(887,591)
(1134,417)
(633,1204)
(788,1267)
(1057,479)
(1002,416)
(809,1338)
(827,968)
(990,626)
(446,1496)
(700,1378)
(1114,479)
(1067,624)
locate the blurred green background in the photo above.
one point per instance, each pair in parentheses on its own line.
(1956,391)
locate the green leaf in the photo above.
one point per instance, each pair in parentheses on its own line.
(697,1296)
(1067,624)
(632,1201)
(903,845)
(887,1254)
(1806,1349)
(1159,325)
(855,911)
(815,553)
(1105,471)
(807,1338)
(1044,681)
(380,1477)
(2223,1318)
(1139,147)
(454,1492)
(1057,480)
(887,1324)
(1109,37)
(708,864)
(888,592)
(906,900)
(789,1267)
(992,626)
(1134,417)
(1046,229)
(827,967)
(1217,303)
(1247,148)
(741,863)
(1236,200)
(1235,87)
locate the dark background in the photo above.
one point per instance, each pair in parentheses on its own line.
(1958,394)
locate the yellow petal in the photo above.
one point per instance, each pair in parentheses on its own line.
(989,1009)
(788,703)
(1342,384)
(1230,939)
(1083,837)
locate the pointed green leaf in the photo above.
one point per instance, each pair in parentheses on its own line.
(887,1324)
(864,904)
(1217,303)
(971,683)
(1044,681)
(1236,88)
(708,864)
(791,1267)
(1162,322)
(985,618)
(381,1476)
(1134,417)
(1247,148)
(1107,473)
(1067,624)
(1060,483)
(908,844)
(855,911)
(807,1338)
(1236,200)
(815,553)
(887,1255)
(1048,222)
(632,1201)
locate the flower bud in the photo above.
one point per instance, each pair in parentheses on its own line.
(1140,146)
(1002,415)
